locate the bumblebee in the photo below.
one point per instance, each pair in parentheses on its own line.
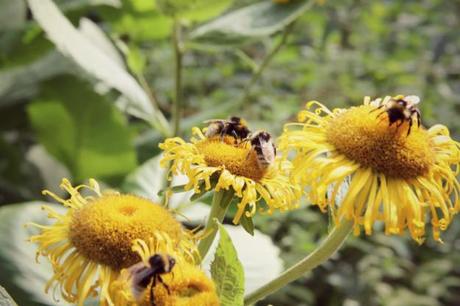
(402,108)
(263,146)
(144,275)
(234,126)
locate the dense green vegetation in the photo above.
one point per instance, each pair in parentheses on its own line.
(62,116)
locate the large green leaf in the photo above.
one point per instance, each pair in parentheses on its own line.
(91,58)
(82,130)
(20,274)
(251,22)
(227,271)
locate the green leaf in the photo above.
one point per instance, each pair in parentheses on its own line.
(251,22)
(20,274)
(247,224)
(227,271)
(5,298)
(91,58)
(174,189)
(82,130)
(193,10)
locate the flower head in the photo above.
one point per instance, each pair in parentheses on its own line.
(92,241)
(184,285)
(223,163)
(395,175)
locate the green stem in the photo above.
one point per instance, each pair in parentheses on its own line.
(258,72)
(159,121)
(220,203)
(178,54)
(322,253)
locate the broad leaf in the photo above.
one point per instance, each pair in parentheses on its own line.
(227,271)
(22,82)
(251,22)
(97,37)
(83,130)
(5,298)
(91,58)
(20,274)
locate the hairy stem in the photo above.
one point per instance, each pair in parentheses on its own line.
(220,203)
(178,55)
(321,254)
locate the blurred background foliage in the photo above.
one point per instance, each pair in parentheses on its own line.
(57,119)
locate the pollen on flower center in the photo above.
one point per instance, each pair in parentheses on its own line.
(362,136)
(239,159)
(103,230)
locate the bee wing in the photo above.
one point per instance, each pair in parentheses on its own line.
(268,149)
(214,121)
(413,100)
(138,274)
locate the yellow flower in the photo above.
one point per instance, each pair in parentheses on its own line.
(213,160)
(185,285)
(89,244)
(393,177)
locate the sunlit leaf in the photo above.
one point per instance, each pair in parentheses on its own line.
(97,37)
(75,45)
(227,271)
(251,22)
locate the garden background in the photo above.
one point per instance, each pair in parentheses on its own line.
(67,113)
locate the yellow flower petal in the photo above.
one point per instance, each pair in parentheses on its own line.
(396,178)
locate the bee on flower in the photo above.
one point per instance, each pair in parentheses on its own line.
(398,171)
(91,243)
(247,168)
(163,277)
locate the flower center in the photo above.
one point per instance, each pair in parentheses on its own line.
(364,136)
(103,230)
(239,159)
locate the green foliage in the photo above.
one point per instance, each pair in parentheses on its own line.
(82,130)
(227,271)
(251,22)
(336,53)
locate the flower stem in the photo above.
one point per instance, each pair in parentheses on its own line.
(322,253)
(178,54)
(220,203)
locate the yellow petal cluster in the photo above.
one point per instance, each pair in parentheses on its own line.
(402,180)
(91,242)
(231,166)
